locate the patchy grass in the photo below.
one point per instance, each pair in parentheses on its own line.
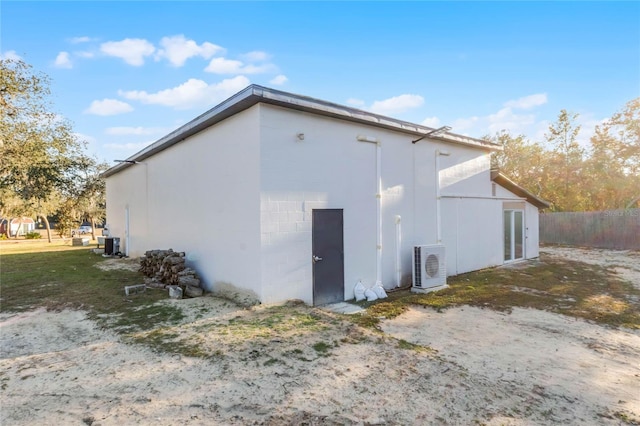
(322,348)
(275,321)
(557,285)
(57,276)
(170,341)
(626,418)
(261,336)
(403,344)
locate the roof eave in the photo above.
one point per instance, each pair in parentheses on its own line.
(329,109)
(510,185)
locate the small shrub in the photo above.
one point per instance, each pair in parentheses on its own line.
(322,347)
(33,235)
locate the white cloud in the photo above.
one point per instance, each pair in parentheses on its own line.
(63,60)
(224,66)
(431,122)
(462,124)
(230,66)
(527,102)
(503,119)
(190,94)
(108,107)
(355,102)
(11,55)
(258,69)
(85,138)
(587,123)
(125,131)
(397,104)
(127,147)
(130,50)
(177,49)
(84,54)
(256,56)
(510,118)
(279,80)
(507,119)
(76,40)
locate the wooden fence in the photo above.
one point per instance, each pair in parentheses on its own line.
(612,229)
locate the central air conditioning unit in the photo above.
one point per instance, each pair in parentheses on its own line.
(429,268)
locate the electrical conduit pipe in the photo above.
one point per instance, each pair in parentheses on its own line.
(438,220)
(398,247)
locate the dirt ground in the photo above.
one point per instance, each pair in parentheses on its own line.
(528,367)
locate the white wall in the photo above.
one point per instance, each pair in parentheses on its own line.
(473,225)
(472,233)
(128,189)
(200,196)
(531,220)
(330,168)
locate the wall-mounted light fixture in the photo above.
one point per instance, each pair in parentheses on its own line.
(364,138)
(436,132)
(300,136)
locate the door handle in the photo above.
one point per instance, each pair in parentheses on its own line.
(316,258)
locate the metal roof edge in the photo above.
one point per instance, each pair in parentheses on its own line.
(318,106)
(254,94)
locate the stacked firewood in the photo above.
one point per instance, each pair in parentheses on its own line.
(168,267)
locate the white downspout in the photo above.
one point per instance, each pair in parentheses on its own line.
(379,212)
(398,247)
(126,231)
(374,140)
(438,220)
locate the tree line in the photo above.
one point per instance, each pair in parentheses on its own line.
(604,175)
(44,167)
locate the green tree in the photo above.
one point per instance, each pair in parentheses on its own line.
(520,160)
(604,176)
(613,167)
(68,217)
(39,151)
(626,125)
(90,193)
(564,176)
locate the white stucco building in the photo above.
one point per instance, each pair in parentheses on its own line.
(257,186)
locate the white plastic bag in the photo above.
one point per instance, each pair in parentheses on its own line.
(358,292)
(379,290)
(371,295)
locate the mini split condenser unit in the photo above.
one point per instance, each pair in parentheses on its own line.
(429,268)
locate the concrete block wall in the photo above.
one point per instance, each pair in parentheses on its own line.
(285,234)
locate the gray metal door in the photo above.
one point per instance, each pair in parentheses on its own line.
(327,256)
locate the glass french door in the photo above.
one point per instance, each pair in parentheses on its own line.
(513,235)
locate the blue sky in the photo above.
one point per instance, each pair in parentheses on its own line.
(126,73)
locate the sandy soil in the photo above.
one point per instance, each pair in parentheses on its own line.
(625,263)
(524,368)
